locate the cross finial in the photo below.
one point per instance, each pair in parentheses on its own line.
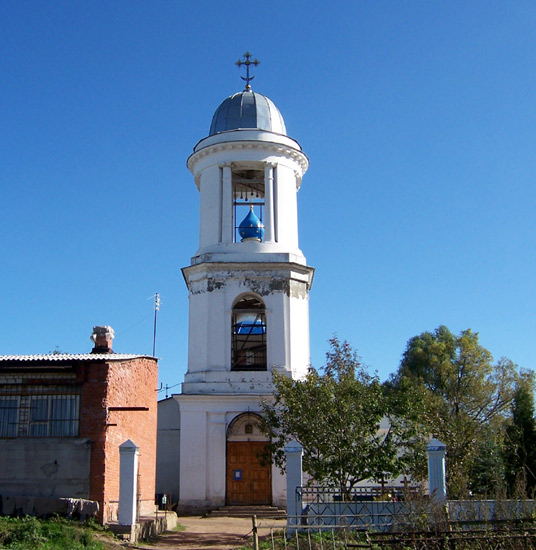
(247,62)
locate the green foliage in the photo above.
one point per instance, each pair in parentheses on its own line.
(336,417)
(520,447)
(464,395)
(486,475)
(54,534)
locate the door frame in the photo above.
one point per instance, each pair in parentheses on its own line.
(244,428)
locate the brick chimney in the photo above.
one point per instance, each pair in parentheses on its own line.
(103,338)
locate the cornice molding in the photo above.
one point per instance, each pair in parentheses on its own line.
(277,148)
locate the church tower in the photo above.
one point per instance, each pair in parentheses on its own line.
(248,287)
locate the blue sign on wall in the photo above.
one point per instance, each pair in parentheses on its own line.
(237,475)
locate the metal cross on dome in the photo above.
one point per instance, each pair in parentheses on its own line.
(247,62)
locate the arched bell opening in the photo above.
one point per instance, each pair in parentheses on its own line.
(248,202)
(248,346)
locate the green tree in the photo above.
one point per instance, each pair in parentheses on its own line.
(464,394)
(486,474)
(335,415)
(520,441)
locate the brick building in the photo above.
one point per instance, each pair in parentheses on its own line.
(63,418)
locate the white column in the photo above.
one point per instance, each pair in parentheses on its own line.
(216,465)
(293,454)
(227,206)
(269,229)
(128,482)
(436,469)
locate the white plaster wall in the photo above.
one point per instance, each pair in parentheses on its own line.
(277,331)
(299,343)
(208,332)
(168,449)
(287,320)
(204,423)
(217,448)
(199,320)
(279,488)
(286,208)
(219,331)
(209,206)
(194,455)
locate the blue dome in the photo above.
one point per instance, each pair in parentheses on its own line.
(251,227)
(247,110)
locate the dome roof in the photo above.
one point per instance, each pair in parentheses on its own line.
(247,110)
(251,228)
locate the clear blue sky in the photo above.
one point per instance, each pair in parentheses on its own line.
(418,208)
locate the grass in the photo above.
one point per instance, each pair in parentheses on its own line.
(52,534)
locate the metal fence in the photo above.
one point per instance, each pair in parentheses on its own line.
(495,535)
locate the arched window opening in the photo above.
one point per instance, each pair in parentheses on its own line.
(248,204)
(249,335)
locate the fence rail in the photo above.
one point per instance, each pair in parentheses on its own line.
(318,494)
(482,536)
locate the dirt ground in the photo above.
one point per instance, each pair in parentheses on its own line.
(208,533)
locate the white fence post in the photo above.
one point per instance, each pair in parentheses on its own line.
(436,469)
(128,482)
(293,453)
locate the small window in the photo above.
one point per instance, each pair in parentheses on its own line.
(249,335)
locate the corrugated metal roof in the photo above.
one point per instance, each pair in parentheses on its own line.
(63,357)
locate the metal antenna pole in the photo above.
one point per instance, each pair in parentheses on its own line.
(156,308)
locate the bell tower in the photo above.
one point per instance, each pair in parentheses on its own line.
(248,285)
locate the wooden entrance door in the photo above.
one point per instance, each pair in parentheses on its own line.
(248,481)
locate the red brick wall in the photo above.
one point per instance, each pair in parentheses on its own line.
(93,424)
(130,383)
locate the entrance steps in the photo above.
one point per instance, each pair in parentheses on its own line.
(270,512)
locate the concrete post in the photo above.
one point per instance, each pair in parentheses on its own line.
(436,469)
(293,453)
(128,482)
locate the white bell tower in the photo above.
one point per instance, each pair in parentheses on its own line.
(248,288)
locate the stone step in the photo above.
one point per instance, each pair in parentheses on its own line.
(249,511)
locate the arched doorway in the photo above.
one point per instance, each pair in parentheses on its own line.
(249,477)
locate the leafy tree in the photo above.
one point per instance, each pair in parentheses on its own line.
(520,444)
(486,475)
(335,416)
(463,394)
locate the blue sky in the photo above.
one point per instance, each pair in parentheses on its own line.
(418,208)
